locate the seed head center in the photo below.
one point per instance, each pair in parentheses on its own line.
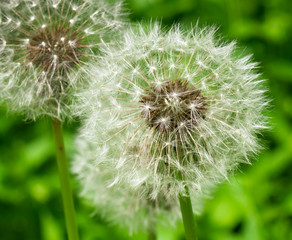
(54,49)
(172,105)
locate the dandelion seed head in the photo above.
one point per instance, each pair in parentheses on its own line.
(180,131)
(41,37)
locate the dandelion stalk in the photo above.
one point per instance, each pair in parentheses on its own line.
(152,234)
(188,216)
(65,181)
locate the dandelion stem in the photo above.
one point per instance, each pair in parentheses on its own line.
(188,216)
(65,181)
(151,234)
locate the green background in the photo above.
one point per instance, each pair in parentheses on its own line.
(256,204)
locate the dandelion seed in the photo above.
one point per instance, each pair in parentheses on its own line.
(41,35)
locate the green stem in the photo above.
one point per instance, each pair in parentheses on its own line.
(151,235)
(152,232)
(65,181)
(188,216)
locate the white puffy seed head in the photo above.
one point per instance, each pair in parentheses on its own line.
(196,117)
(41,35)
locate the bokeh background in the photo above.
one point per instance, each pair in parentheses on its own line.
(255,205)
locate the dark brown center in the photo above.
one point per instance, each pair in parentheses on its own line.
(54,49)
(172,105)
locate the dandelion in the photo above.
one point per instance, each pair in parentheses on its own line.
(177,112)
(44,51)
(46,47)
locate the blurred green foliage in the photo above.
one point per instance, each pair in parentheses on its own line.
(255,205)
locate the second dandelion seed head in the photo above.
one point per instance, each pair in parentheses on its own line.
(46,48)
